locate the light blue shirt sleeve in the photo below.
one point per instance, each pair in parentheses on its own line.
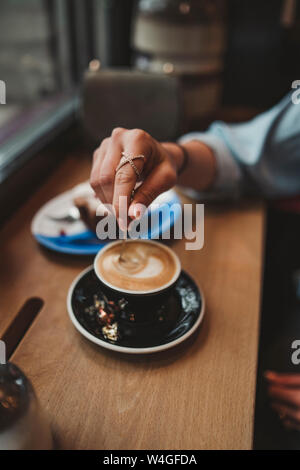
(260,157)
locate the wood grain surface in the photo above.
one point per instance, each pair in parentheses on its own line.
(199,395)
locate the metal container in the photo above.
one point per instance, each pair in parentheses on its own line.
(186,39)
(189,35)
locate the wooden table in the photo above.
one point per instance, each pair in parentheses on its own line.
(199,395)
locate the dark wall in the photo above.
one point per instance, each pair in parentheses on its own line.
(263,57)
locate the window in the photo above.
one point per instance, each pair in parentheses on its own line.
(41,61)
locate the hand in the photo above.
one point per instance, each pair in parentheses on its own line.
(284,390)
(158,170)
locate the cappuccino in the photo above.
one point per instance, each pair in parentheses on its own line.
(143,266)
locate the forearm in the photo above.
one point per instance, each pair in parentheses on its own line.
(200,172)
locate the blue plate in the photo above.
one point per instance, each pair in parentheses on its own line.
(87,243)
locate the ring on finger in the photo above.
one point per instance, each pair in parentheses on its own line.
(126,158)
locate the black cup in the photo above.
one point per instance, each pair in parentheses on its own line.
(144,305)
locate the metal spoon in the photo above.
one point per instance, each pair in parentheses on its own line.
(122,258)
(73,215)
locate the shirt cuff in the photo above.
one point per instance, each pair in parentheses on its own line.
(229,176)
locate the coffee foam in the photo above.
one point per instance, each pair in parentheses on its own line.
(143,266)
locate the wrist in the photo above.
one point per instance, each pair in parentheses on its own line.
(202,170)
(176,155)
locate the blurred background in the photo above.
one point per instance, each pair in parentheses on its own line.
(166,65)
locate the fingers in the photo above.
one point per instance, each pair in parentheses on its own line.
(108,169)
(111,186)
(95,177)
(284,390)
(106,160)
(135,142)
(111,161)
(283,379)
(287,395)
(290,424)
(124,185)
(162,178)
(287,404)
(286,413)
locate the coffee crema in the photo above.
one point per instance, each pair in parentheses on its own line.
(143,266)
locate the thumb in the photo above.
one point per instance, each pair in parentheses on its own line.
(162,178)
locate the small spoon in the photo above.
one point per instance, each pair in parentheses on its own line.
(122,258)
(72,216)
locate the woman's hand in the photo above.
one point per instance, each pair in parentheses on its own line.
(284,390)
(158,170)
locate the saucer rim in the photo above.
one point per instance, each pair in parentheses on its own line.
(125,349)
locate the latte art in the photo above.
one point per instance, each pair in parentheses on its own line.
(142,267)
(131,261)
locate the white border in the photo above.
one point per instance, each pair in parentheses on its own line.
(124,349)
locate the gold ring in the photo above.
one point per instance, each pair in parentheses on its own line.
(126,158)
